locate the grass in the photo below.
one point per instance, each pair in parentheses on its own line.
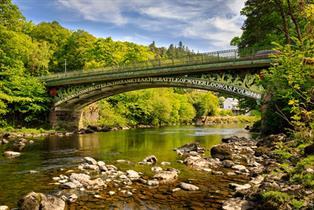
(24,130)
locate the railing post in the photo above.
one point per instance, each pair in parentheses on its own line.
(235,55)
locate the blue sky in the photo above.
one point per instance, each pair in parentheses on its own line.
(202,25)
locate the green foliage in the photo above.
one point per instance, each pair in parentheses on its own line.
(276,197)
(108,116)
(10,16)
(297,204)
(161,106)
(282,154)
(205,103)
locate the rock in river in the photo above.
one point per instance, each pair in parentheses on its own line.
(189,187)
(39,201)
(90,160)
(133,175)
(237,204)
(166,176)
(222,151)
(11,154)
(149,160)
(188,148)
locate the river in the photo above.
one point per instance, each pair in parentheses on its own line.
(47,157)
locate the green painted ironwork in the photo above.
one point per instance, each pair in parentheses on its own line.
(216,71)
(227,83)
(193,62)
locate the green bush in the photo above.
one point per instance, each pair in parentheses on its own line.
(276,197)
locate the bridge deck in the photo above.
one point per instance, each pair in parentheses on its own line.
(216,61)
(82,77)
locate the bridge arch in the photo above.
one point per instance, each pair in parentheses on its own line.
(70,101)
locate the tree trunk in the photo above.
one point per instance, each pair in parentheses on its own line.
(284,20)
(294,20)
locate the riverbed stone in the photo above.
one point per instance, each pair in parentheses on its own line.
(152,182)
(11,154)
(164,163)
(168,176)
(227,163)
(72,198)
(189,187)
(239,187)
(237,204)
(240,168)
(4,208)
(222,151)
(190,148)
(69,185)
(84,179)
(90,160)
(149,160)
(133,175)
(39,201)
(156,169)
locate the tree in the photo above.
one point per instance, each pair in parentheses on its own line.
(10,16)
(272,21)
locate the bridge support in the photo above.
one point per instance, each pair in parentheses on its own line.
(65,119)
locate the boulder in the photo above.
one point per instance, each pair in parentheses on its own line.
(149,160)
(188,148)
(39,201)
(222,151)
(168,176)
(196,162)
(90,160)
(4,208)
(11,154)
(309,150)
(189,187)
(232,139)
(84,179)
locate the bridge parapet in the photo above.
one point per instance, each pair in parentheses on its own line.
(246,55)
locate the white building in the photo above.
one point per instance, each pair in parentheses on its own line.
(231,103)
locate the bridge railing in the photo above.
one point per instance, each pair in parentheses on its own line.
(231,55)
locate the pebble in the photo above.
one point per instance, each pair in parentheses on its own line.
(11,154)
(176,189)
(111,192)
(4,208)
(189,187)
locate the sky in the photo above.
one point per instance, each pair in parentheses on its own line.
(202,25)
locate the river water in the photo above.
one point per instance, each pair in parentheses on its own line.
(49,155)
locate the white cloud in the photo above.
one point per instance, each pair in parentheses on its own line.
(97,10)
(215,21)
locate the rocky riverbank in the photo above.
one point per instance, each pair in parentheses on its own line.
(249,169)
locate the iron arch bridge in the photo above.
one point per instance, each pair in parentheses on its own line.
(231,72)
